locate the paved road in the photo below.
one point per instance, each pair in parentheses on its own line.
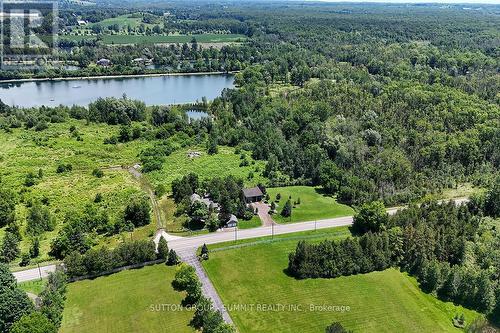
(34,273)
(190,243)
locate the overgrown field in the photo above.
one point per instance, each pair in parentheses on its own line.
(26,152)
(387,301)
(125,302)
(313,204)
(206,166)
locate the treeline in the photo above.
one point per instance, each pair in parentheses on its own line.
(102,260)
(17,312)
(330,259)
(453,251)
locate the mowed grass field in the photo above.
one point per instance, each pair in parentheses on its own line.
(125,302)
(387,301)
(159,39)
(313,205)
(224,163)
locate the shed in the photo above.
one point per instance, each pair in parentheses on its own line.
(253,194)
(232,222)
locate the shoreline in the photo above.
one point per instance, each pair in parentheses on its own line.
(117,76)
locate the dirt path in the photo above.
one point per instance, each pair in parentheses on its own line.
(148,188)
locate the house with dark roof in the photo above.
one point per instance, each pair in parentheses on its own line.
(253,194)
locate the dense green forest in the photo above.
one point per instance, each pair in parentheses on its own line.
(373,105)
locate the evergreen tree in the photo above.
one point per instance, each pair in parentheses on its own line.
(204,252)
(287,209)
(162,248)
(35,248)
(10,248)
(172,259)
(7,207)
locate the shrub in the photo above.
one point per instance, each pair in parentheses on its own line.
(162,249)
(137,211)
(97,173)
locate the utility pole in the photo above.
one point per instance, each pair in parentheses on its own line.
(315,227)
(235,234)
(39,270)
(272,230)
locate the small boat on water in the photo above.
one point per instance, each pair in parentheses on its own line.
(76,87)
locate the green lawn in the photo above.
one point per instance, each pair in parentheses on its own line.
(125,302)
(159,39)
(313,205)
(388,301)
(225,163)
(34,287)
(252,223)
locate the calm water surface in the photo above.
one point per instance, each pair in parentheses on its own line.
(152,90)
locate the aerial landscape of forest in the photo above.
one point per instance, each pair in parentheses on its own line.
(249,166)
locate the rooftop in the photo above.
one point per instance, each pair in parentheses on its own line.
(252,192)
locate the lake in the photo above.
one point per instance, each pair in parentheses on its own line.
(153,90)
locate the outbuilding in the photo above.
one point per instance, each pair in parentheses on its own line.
(232,222)
(253,194)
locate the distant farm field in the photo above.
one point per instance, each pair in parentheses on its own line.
(159,39)
(313,204)
(387,301)
(126,302)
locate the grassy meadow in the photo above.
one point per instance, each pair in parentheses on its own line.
(224,163)
(313,205)
(125,302)
(387,301)
(27,151)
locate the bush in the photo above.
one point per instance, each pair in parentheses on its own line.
(162,249)
(137,211)
(336,327)
(34,322)
(61,168)
(371,217)
(97,173)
